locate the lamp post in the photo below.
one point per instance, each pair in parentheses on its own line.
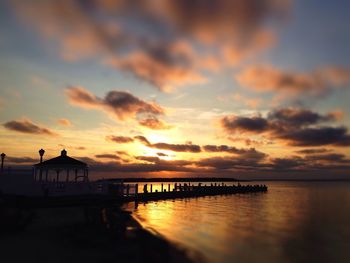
(2,162)
(41,153)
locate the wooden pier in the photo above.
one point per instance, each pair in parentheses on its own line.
(123,193)
(189,191)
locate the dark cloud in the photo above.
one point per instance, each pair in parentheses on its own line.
(27,126)
(177,147)
(229,163)
(298,127)
(151,159)
(244,124)
(332,157)
(189,147)
(161,154)
(107,156)
(318,136)
(313,151)
(287,163)
(121,104)
(119,139)
(21,160)
(151,165)
(154,124)
(143,140)
(298,117)
(248,141)
(247,153)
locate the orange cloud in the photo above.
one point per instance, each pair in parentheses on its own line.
(265,78)
(146,38)
(154,124)
(64,122)
(163,74)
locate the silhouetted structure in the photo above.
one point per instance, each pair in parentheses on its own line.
(41,153)
(2,162)
(59,164)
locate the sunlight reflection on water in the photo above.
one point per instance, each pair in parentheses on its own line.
(292,222)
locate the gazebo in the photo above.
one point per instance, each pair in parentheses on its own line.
(59,165)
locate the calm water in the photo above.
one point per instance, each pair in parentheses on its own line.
(292,222)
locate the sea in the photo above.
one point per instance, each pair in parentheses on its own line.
(293,221)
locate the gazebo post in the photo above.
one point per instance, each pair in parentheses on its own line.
(87,175)
(46,175)
(76,175)
(67,179)
(57,175)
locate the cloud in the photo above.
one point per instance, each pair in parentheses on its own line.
(189,147)
(150,159)
(297,127)
(244,124)
(143,140)
(229,163)
(232,21)
(145,38)
(250,142)
(247,153)
(80,148)
(21,160)
(27,126)
(287,163)
(337,136)
(107,156)
(298,117)
(121,104)
(154,124)
(177,147)
(119,139)
(313,151)
(64,122)
(81,97)
(265,78)
(159,69)
(330,157)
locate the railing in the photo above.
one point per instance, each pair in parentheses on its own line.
(178,189)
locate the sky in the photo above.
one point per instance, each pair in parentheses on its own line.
(251,89)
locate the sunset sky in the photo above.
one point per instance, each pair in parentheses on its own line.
(244,88)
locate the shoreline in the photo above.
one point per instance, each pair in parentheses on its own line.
(88,234)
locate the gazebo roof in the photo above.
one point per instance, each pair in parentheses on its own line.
(62,161)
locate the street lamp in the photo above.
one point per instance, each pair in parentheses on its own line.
(41,153)
(2,162)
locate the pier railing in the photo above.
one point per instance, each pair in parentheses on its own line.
(131,192)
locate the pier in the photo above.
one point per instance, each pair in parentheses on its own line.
(119,193)
(189,191)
